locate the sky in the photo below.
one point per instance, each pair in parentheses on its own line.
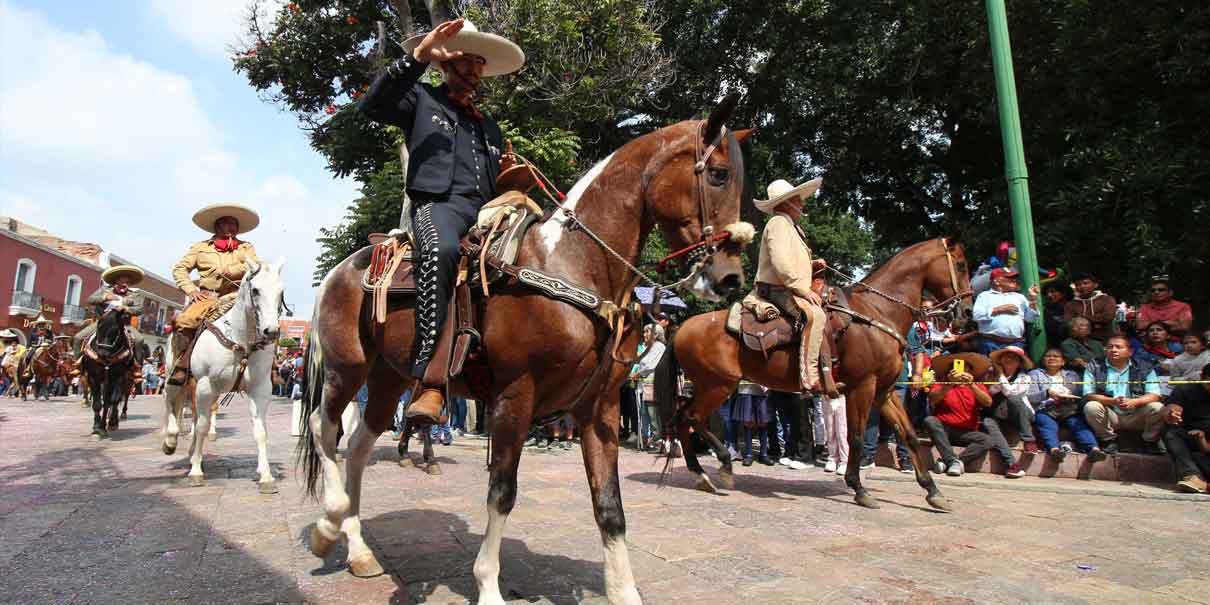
(118,120)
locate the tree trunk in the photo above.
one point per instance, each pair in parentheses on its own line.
(439,11)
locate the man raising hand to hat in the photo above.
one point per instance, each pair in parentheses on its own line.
(783,274)
(454,159)
(115,295)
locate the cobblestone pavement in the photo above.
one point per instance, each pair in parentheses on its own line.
(112,522)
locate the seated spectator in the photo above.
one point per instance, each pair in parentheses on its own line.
(1176,315)
(955,418)
(1053,393)
(1012,394)
(1188,365)
(1081,349)
(1188,417)
(1156,346)
(1002,312)
(1052,317)
(1098,307)
(1122,393)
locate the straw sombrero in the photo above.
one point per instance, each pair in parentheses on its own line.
(781,191)
(502,56)
(42,320)
(1026,362)
(976,365)
(8,334)
(205,218)
(111,275)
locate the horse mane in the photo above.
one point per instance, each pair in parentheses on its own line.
(877,274)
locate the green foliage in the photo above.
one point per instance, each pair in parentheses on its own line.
(376,211)
(287,342)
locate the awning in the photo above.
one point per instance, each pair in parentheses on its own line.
(667,298)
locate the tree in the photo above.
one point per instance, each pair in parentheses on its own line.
(287,342)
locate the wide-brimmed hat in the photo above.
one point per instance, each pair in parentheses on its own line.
(1026,362)
(781,191)
(8,334)
(976,365)
(111,275)
(247,218)
(42,320)
(500,54)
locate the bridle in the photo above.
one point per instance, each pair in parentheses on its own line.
(243,352)
(108,353)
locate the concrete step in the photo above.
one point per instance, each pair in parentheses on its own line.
(1125,467)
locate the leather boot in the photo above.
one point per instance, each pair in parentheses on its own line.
(182,350)
(425,408)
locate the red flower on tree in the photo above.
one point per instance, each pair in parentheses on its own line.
(331,109)
(292,6)
(351,20)
(357,94)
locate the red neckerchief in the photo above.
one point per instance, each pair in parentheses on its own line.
(467,106)
(1164,352)
(225,245)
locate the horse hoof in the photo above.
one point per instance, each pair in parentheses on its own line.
(268,487)
(704,484)
(196,481)
(939,502)
(123,416)
(867,501)
(319,545)
(365,566)
(84,404)
(99,435)
(726,478)
(433,469)
(168,449)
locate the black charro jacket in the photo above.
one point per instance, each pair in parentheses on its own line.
(427,118)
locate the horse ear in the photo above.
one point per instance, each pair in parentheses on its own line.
(277,266)
(253,267)
(742,135)
(720,115)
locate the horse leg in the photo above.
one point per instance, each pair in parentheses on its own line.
(125,404)
(201,425)
(896,414)
(118,389)
(859,400)
(212,434)
(259,406)
(685,433)
(98,411)
(430,459)
(508,436)
(599,444)
(725,476)
(338,388)
(170,427)
(405,436)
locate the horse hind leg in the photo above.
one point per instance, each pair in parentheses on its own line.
(725,475)
(430,459)
(894,411)
(338,388)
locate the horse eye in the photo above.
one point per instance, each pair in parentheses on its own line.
(718,176)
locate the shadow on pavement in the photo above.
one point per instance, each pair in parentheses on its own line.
(818,485)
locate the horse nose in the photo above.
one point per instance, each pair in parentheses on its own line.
(728,284)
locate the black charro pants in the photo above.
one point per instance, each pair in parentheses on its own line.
(438,223)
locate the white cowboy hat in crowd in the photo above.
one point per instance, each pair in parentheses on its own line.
(501,55)
(111,275)
(42,320)
(781,191)
(247,218)
(8,334)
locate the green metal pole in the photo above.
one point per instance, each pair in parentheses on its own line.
(1014,163)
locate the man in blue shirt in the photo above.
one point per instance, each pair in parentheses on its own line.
(1123,394)
(1002,312)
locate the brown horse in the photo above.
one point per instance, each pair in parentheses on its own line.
(42,367)
(544,356)
(871,360)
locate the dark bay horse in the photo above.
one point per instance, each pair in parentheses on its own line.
(871,360)
(106,360)
(42,368)
(545,356)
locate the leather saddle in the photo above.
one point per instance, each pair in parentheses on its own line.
(763,335)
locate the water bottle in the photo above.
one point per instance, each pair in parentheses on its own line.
(1120,316)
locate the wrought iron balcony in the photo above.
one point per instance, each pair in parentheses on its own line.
(73,314)
(25,303)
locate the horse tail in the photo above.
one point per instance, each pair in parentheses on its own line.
(312,397)
(667,394)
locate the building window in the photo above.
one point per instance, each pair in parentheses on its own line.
(74,286)
(26,272)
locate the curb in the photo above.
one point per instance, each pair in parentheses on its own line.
(1012,485)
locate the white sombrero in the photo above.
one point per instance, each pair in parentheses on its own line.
(248,219)
(781,191)
(42,320)
(111,275)
(502,56)
(9,334)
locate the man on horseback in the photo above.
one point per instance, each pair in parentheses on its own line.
(115,295)
(784,271)
(41,335)
(455,157)
(10,352)
(220,262)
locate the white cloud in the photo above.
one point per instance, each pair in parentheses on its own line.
(212,27)
(103,147)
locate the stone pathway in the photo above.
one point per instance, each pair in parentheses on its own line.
(112,522)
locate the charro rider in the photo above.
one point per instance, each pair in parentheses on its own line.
(116,295)
(220,263)
(40,335)
(783,274)
(455,157)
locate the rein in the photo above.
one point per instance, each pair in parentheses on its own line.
(242,352)
(942,308)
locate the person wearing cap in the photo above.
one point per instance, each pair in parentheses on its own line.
(1098,307)
(1176,315)
(454,159)
(785,269)
(116,295)
(1002,312)
(220,262)
(1055,395)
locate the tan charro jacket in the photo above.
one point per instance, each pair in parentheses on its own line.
(785,258)
(218,272)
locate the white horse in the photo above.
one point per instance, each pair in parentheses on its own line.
(250,328)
